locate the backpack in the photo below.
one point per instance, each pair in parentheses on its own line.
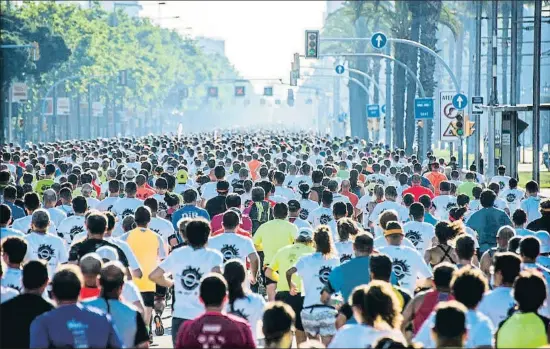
(260,212)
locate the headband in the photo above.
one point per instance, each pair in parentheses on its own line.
(393,231)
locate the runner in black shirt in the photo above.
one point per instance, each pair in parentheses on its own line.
(96,224)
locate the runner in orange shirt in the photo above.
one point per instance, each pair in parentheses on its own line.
(435,177)
(142,191)
(253,166)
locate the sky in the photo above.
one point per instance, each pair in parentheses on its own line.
(260,36)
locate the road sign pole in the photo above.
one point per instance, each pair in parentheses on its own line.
(460,152)
(536,91)
(477,81)
(388,99)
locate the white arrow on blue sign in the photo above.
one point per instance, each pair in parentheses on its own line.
(460,101)
(340,69)
(373,110)
(423,108)
(383,109)
(378,40)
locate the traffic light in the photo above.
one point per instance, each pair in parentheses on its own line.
(469,126)
(459,124)
(213,92)
(312,44)
(268,91)
(239,91)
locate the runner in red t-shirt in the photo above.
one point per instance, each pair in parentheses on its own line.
(417,190)
(214,329)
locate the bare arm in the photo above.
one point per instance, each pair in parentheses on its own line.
(291,285)
(157,276)
(409,312)
(254,265)
(485,264)
(428,256)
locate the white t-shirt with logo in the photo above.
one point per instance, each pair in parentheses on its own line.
(47,247)
(345,250)
(285,192)
(162,227)
(250,308)
(321,215)
(306,207)
(232,245)
(133,263)
(56,215)
(381,241)
(70,227)
(361,336)
(408,265)
(314,270)
(92,202)
(362,205)
(513,198)
(443,204)
(500,204)
(420,234)
(502,182)
(107,204)
(23,224)
(13,278)
(163,206)
(402,211)
(126,206)
(340,198)
(302,179)
(188,266)
(300,223)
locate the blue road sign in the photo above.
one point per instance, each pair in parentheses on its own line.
(423,108)
(373,110)
(342,117)
(460,101)
(383,109)
(378,40)
(340,69)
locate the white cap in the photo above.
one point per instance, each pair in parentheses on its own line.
(544,238)
(107,253)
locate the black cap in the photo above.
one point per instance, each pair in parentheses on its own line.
(293,205)
(222,186)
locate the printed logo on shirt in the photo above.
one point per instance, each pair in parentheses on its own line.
(190,278)
(17,288)
(450,205)
(511,197)
(162,206)
(127,212)
(304,214)
(501,184)
(324,273)
(229,252)
(240,313)
(401,268)
(325,219)
(345,258)
(45,252)
(109,208)
(414,236)
(247,202)
(77,229)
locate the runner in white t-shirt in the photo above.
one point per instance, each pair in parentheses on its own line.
(188,265)
(314,269)
(420,233)
(242,302)
(408,264)
(44,246)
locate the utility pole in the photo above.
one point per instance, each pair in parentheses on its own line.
(493,99)
(514,54)
(477,85)
(536,89)
(387,116)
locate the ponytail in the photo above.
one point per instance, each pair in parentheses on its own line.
(235,274)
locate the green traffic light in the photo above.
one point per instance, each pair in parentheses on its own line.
(460,132)
(311,52)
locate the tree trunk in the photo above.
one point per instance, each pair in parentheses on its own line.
(399,82)
(412,63)
(399,87)
(428,37)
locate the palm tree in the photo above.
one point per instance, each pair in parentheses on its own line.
(415,10)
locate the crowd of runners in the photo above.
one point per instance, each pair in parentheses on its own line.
(266,238)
